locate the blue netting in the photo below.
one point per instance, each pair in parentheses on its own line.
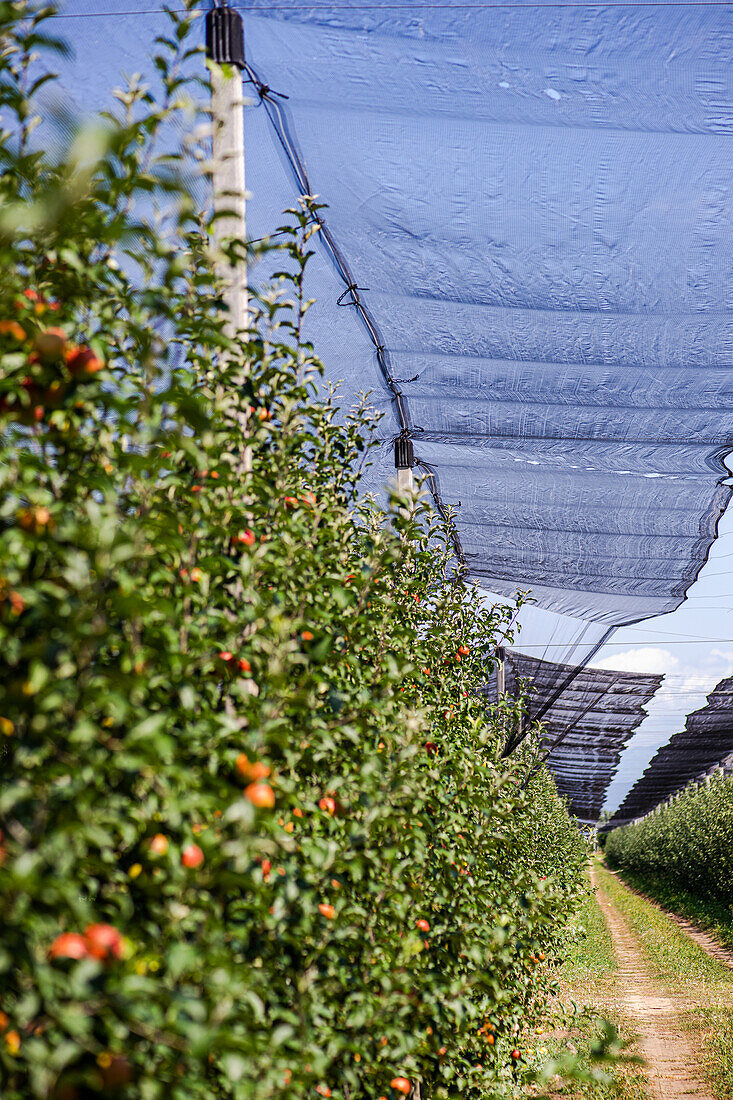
(537,202)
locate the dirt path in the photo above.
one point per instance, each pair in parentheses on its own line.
(704,939)
(671,1063)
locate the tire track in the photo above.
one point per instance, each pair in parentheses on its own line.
(706,940)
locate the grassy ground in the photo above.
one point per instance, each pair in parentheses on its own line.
(712,915)
(585,1000)
(701,986)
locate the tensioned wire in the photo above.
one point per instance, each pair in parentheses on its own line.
(637,645)
(410,7)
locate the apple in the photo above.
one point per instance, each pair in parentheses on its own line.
(50,344)
(260,795)
(159,844)
(82,360)
(69,945)
(12,1041)
(116,1071)
(249,770)
(400,1084)
(103,941)
(192,856)
(12,328)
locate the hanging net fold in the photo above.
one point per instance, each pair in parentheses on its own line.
(585,727)
(705,743)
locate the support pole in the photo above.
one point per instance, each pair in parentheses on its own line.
(225,48)
(500,673)
(404,460)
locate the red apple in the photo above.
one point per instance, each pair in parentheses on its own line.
(192,856)
(103,941)
(260,795)
(69,945)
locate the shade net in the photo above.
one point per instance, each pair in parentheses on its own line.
(586,723)
(705,742)
(535,202)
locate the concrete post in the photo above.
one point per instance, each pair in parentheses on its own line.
(225,52)
(225,49)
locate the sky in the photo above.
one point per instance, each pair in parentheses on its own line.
(692,646)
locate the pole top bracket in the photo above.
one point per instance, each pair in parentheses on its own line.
(225,36)
(404,454)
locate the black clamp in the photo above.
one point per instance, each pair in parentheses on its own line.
(225,36)
(404,453)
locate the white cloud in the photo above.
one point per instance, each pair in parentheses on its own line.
(723,654)
(651,659)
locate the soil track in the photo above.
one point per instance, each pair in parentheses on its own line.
(671,1063)
(704,939)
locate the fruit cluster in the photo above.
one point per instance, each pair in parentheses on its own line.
(50,367)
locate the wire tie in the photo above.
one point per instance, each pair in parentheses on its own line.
(351,289)
(266,92)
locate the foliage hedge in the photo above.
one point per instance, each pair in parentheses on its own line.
(257,838)
(688,842)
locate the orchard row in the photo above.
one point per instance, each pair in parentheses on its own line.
(258,837)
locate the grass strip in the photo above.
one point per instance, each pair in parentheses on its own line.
(713,916)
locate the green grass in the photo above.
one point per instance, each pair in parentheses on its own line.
(714,916)
(586,999)
(589,954)
(702,986)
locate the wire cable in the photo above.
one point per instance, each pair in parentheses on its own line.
(409,5)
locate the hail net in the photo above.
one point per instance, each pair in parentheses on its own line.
(585,728)
(705,744)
